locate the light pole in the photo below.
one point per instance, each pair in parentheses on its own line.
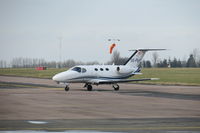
(60,51)
(114,40)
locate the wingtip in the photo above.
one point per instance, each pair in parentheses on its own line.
(155,78)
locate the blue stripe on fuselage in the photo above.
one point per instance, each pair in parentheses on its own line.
(95,77)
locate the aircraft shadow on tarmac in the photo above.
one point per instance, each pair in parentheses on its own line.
(149,94)
(161,94)
(134,92)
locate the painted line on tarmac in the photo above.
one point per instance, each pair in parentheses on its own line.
(122,129)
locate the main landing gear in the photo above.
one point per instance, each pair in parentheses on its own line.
(116,87)
(67,88)
(89,87)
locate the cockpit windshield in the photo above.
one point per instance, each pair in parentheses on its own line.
(77,69)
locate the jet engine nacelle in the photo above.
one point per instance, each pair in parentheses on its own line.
(124,70)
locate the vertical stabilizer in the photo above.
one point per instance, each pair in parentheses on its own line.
(137,56)
(135,59)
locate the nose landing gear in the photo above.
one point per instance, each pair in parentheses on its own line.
(116,87)
(67,88)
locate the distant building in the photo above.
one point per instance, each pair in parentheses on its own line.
(41,68)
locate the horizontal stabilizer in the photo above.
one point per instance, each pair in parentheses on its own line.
(146,49)
(136,73)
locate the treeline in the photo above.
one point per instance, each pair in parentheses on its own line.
(192,61)
(21,62)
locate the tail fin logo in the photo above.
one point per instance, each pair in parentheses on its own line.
(137,60)
(138,57)
(140,52)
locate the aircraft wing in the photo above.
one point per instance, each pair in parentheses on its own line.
(110,81)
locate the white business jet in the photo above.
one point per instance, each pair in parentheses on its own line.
(104,74)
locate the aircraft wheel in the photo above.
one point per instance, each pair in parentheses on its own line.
(89,87)
(116,87)
(67,88)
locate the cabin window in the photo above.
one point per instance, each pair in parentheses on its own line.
(96,69)
(101,69)
(107,69)
(83,70)
(77,69)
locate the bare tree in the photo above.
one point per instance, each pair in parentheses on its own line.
(155,58)
(116,57)
(3,64)
(69,63)
(196,55)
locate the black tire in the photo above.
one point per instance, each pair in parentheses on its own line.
(67,88)
(89,87)
(116,87)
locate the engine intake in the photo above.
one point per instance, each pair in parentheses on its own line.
(123,70)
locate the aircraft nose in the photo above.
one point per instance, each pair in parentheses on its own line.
(55,78)
(60,77)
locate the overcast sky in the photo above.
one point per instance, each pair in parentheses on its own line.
(31,28)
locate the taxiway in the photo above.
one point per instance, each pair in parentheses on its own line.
(134,107)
